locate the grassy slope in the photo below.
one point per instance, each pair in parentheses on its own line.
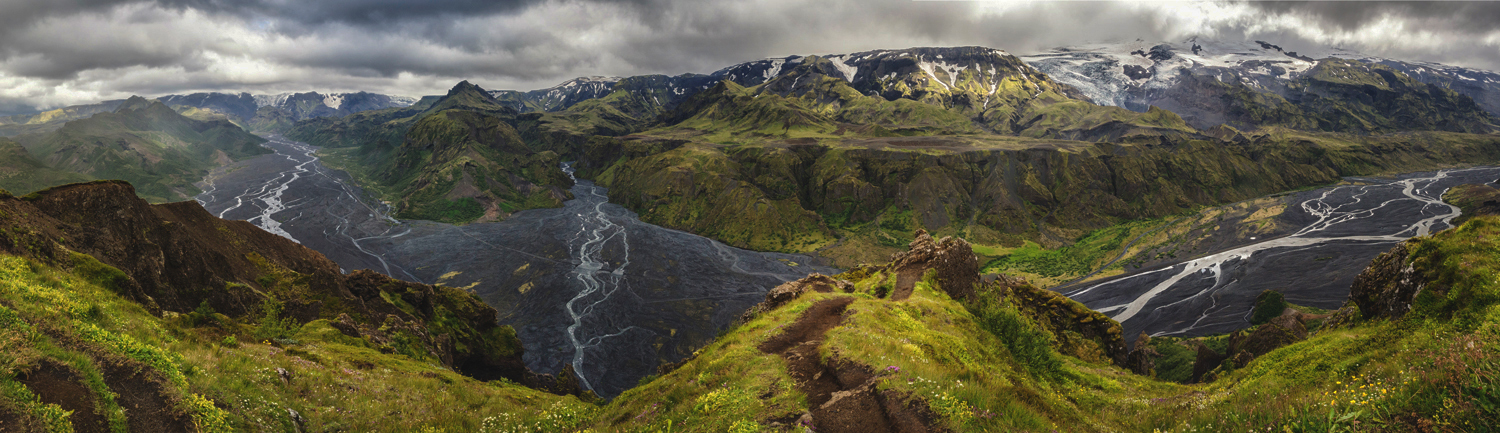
(216,373)
(979,366)
(451,159)
(158,150)
(1434,369)
(927,346)
(20,173)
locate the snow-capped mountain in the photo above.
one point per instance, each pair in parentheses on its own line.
(1173,75)
(974,73)
(294,106)
(1208,83)
(557,97)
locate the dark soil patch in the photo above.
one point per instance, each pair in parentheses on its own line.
(907,413)
(57,384)
(841,394)
(10,421)
(810,326)
(148,406)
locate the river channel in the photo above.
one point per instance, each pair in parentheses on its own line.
(587,284)
(1337,231)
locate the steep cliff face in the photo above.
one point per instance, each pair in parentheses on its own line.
(177,258)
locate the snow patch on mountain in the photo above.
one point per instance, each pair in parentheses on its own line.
(1123,74)
(403,101)
(840,62)
(333,101)
(276,100)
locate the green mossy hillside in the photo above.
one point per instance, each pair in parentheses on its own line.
(20,173)
(461,166)
(1352,96)
(204,371)
(454,159)
(146,143)
(992,364)
(871,194)
(1007,357)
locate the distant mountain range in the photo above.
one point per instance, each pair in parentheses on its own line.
(1258,83)
(910,168)
(843,152)
(1206,82)
(256,113)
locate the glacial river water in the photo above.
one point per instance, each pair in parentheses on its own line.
(587,284)
(1340,230)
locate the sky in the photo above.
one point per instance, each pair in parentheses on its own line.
(55,53)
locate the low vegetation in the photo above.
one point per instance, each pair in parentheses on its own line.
(208,372)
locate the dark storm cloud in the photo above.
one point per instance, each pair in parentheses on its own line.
(61,51)
(1476,16)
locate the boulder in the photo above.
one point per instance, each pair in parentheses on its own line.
(1386,288)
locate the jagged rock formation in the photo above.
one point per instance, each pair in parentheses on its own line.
(1142,360)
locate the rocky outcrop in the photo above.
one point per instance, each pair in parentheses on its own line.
(1246,345)
(957,269)
(1078,331)
(1142,359)
(1386,289)
(787,292)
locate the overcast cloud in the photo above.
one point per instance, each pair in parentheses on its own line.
(63,52)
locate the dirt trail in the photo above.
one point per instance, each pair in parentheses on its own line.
(59,385)
(147,408)
(906,282)
(841,393)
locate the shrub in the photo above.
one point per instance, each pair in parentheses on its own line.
(1028,343)
(1268,305)
(272,325)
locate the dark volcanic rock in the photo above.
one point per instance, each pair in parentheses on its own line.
(1386,288)
(1142,360)
(1137,72)
(957,267)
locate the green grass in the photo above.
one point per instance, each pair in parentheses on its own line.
(994,364)
(338,382)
